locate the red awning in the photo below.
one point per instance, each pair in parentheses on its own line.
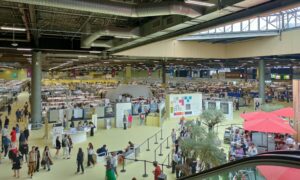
(279,172)
(258,115)
(285,112)
(269,125)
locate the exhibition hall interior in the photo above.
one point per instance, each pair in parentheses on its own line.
(150,89)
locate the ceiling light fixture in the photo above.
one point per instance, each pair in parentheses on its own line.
(123,37)
(24,49)
(82,56)
(12,28)
(200,3)
(27,55)
(95,52)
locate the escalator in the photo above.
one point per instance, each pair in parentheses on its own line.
(279,165)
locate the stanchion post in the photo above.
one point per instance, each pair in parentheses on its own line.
(135,159)
(161,134)
(160,149)
(123,166)
(148,147)
(168,161)
(155,155)
(162,168)
(168,147)
(156,139)
(145,169)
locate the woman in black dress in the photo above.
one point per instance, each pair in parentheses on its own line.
(57,146)
(16,164)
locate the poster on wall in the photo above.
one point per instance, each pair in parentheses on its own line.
(185,105)
(121,110)
(78,113)
(162,112)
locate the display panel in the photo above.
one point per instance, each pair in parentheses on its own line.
(212,105)
(78,113)
(224,108)
(121,110)
(185,105)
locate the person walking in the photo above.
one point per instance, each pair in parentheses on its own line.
(16,163)
(175,160)
(31,161)
(157,170)
(8,109)
(24,150)
(125,122)
(18,115)
(70,144)
(109,174)
(65,121)
(26,133)
(6,143)
(57,146)
(173,136)
(130,119)
(13,135)
(6,122)
(46,160)
(142,119)
(114,162)
(0,123)
(65,145)
(38,157)
(80,158)
(91,152)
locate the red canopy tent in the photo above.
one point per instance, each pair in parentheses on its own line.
(257,115)
(269,125)
(279,172)
(285,112)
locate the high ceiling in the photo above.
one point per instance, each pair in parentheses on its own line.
(68,30)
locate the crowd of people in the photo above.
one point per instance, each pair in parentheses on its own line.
(241,146)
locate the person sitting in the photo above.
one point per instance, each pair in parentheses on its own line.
(252,150)
(129,147)
(282,146)
(239,152)
(290,141)
(79,126)
(102,151)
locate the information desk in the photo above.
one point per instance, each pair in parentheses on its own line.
(153,120)
(78,136)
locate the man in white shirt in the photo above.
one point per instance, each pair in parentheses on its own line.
(290,142)
(252,150)
(114,162)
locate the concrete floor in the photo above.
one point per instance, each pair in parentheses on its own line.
(115,139)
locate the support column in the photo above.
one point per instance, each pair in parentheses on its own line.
(164,78)
(127,74)
(296,106)
(296,102)
(36,106)
(261,67)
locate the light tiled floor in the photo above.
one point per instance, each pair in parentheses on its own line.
(115,139)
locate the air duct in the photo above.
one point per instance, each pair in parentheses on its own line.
(120,9)
(88,41)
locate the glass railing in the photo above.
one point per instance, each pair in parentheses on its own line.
(269,166)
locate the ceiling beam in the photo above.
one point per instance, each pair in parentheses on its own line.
(33,22)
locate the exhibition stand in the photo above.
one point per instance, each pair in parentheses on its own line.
(225,106)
